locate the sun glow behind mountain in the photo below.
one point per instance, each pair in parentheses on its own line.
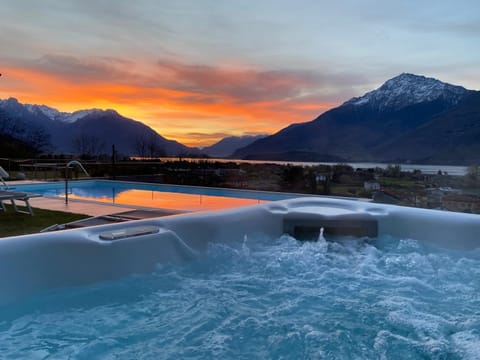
(193,105)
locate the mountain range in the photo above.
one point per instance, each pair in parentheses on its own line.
(408,119)
(227,146)
(91,132)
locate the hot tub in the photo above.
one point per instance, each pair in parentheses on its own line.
(319,229)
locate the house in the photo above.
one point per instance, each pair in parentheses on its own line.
(371,185)
(462,202)
(321,178)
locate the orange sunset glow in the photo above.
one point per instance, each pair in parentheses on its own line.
(212,104)
(175,201)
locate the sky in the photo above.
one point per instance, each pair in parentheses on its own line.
(199,70)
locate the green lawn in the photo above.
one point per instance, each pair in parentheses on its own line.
(348,190)
(398,182)
(12,224)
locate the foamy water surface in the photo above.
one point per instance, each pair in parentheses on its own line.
(266,299)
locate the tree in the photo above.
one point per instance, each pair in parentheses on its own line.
(39,140)
(11,127)
(141,146)
(473,175)
(17,141)
(88,146)
(147,145)
(393,170)
(153,147)
(292,177)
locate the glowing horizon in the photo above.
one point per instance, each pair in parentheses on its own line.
(217,110)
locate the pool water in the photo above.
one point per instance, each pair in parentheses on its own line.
(178,197)
(380,298)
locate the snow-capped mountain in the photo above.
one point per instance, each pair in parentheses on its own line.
(55,115)
(410,118)
(93,128)
(409,89)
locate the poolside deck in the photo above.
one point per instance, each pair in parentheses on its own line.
(77,207)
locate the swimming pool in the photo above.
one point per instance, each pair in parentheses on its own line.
(239,283)
(190,198)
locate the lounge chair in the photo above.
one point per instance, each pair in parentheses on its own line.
(14,196)
(4,175)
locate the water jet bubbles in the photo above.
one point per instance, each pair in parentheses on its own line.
(320,235)
(245,248)
(321,244)
(408,245)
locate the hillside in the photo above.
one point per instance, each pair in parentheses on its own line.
(90,132)
(227,146)
(388,124)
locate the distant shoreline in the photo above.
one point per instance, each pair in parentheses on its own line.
(455,170)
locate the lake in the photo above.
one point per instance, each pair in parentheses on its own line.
(455,170)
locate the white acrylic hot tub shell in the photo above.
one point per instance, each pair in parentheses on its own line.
(37,262)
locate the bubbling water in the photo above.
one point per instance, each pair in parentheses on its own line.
(264,298)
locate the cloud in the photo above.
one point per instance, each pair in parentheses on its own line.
(185,101)
(207,137)
(251,85)
(76,69)
(197,83)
